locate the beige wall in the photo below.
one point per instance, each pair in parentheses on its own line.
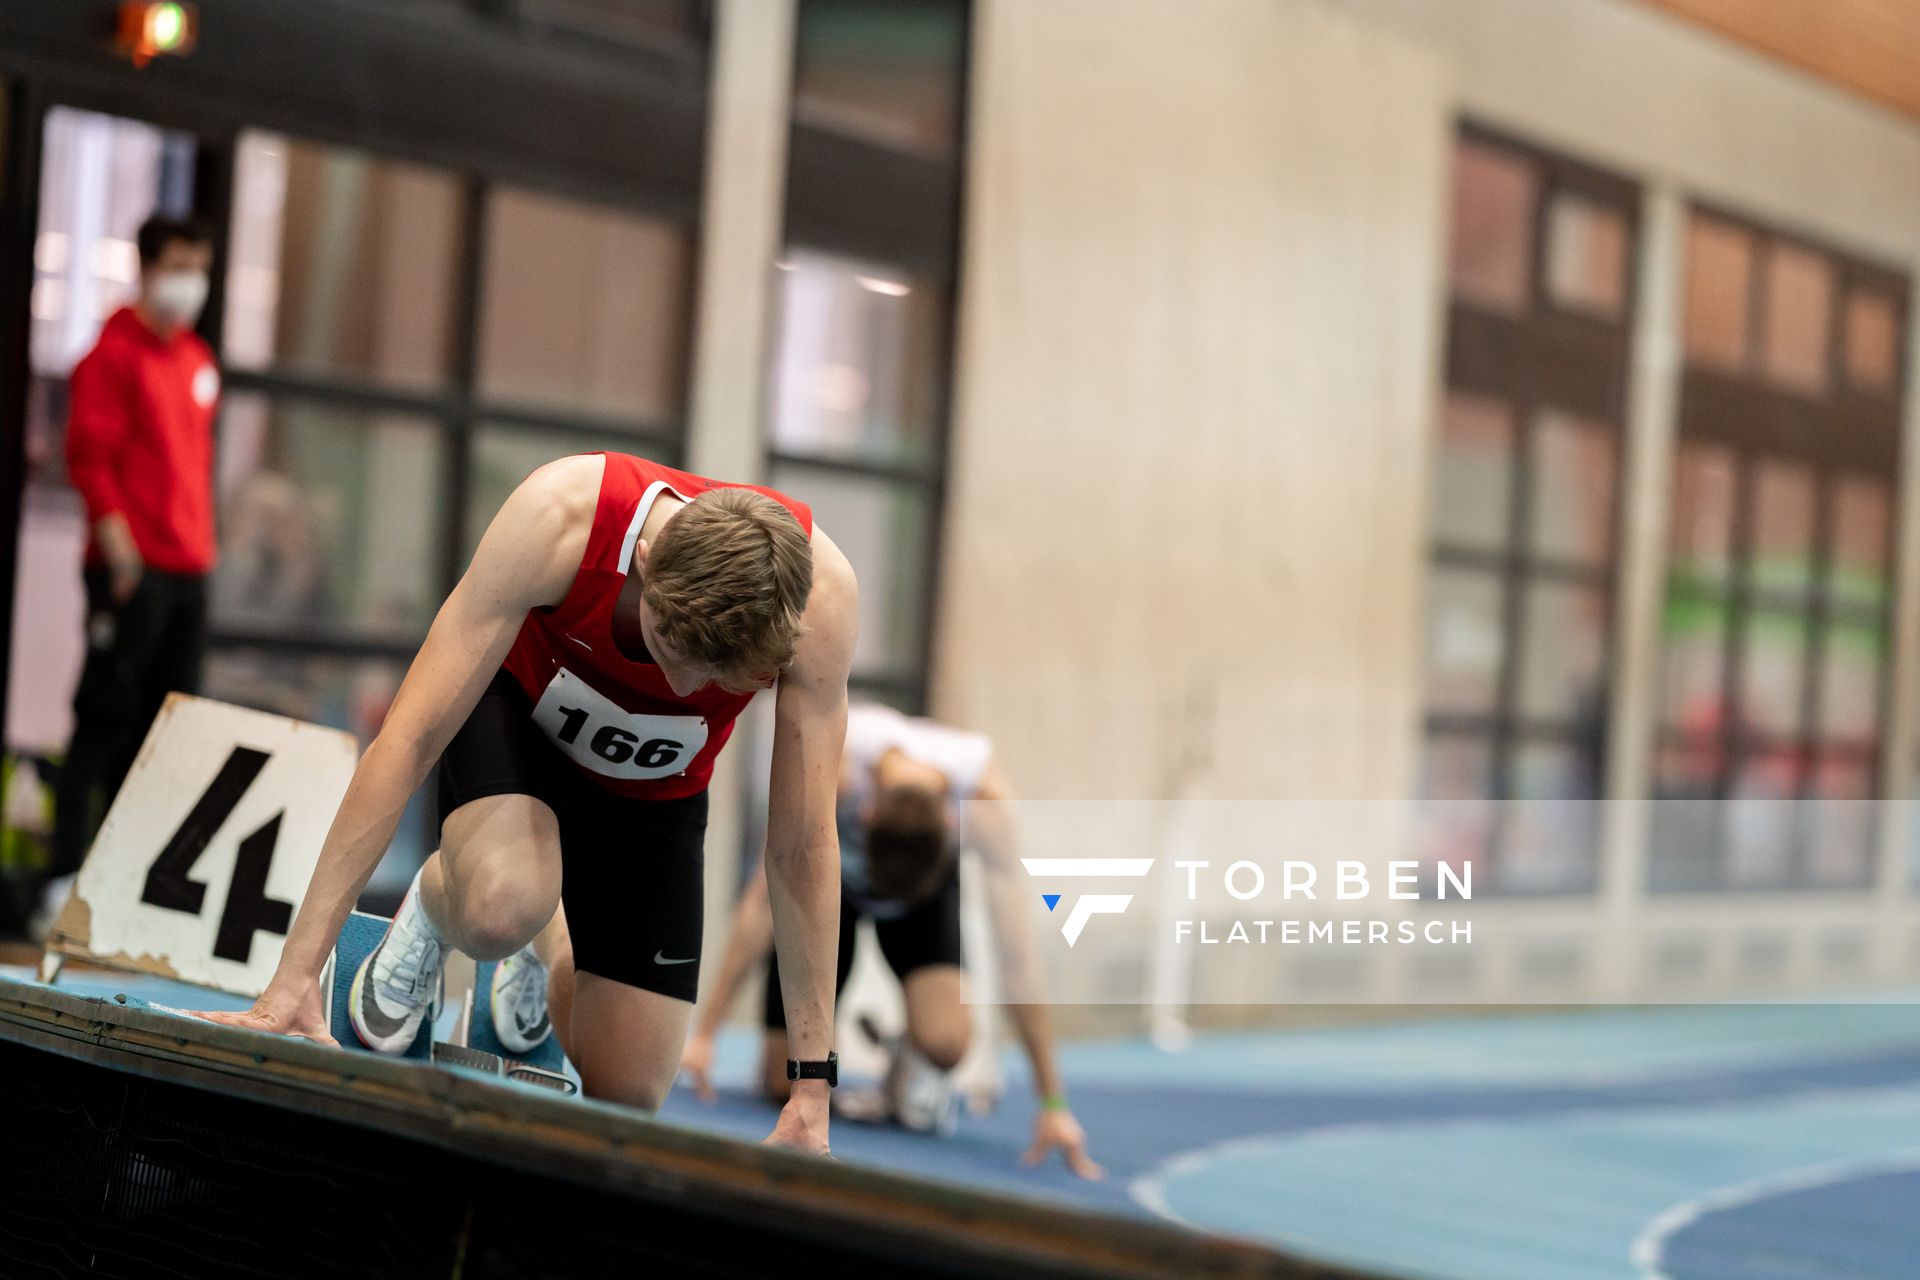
(1197,356)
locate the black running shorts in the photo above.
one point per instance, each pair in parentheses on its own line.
(631,870)
(928,934)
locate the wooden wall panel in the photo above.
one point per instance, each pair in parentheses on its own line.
(1871,47)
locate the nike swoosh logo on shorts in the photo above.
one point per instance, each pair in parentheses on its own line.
(582,643)
(660,957)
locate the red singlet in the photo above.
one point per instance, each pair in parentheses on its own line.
(613,717)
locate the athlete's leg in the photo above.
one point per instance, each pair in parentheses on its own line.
(624,961)
(923,949)
(495,882)
(626,1042)
(555,948)
(939,1023)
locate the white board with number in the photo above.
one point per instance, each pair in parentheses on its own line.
(207,849)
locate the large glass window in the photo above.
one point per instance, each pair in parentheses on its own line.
(504,454)
(100,178)
(404,345)
(331,518)
(1776,631)
(886,530)
(583,309)
(384,404)
(858,371)
(342,264)
(1524,509)
(861,354)
(884,70)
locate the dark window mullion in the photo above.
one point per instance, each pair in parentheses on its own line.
(669,434)
(1513,628)
(1814,610)
(459,424)
(342,392)
(1731,729)
(926,473)
(310,640)
(1757,324)
(1522,563)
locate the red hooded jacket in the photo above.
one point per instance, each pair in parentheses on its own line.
(140,440)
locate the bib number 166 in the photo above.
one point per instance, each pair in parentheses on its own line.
(615,745)
(600,735)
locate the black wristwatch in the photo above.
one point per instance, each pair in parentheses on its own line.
(816,1069)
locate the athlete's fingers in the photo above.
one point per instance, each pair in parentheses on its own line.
(696,1065)
(1083,1164)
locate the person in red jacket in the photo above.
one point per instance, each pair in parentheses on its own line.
(140,451)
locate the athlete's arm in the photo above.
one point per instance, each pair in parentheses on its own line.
(803,845)
(528,558)
(749,938)
(991,831)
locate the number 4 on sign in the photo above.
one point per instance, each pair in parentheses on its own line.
(249,910)
(199,867)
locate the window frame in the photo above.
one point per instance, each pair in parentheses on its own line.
(847,196)
(1840,434)
(1550,358)
(457,408)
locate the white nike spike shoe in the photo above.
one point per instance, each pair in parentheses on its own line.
(397,987)
(519,1002)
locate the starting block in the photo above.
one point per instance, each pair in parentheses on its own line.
(545,1067)
(492,1064)
(358,937)
(546,1056)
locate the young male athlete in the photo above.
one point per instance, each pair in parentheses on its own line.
(913,794)
(574,689)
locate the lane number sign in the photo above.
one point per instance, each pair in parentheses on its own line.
(199,867)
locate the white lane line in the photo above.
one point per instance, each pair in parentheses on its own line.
(1650,1246)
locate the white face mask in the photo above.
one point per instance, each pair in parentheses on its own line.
(178,295)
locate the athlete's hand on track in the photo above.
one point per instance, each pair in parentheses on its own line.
(282,1013)
(696,1063)
(1059,1131)
(803,1121)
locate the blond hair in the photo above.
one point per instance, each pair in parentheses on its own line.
(727,581)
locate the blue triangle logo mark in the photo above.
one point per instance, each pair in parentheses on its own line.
(1051,899)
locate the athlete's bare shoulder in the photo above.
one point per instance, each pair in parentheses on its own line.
(535,544)
(825,652)
(567,489)
(832,575)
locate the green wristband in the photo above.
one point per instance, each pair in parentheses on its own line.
(1054,1102)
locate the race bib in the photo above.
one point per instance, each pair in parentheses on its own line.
(602,736)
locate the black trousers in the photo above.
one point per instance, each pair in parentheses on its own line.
(137,653)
